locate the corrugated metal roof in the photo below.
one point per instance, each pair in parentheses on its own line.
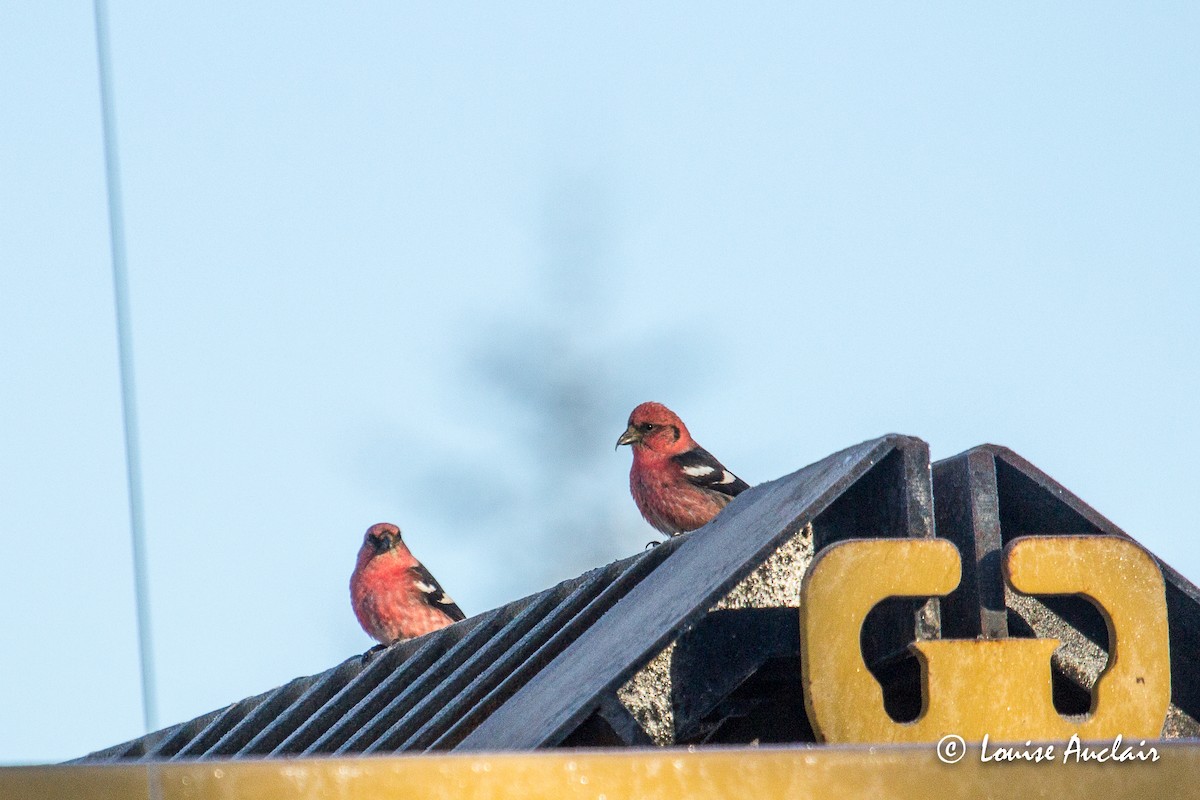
(435,691)
(583,662)
(417,694)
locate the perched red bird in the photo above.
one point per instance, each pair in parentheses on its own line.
(677,484)
(394,596)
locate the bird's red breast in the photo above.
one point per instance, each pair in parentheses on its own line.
(677,485)
(389,595)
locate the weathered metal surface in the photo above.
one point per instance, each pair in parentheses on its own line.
(898,772)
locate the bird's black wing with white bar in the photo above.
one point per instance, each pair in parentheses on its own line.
(434,594)
(706,472)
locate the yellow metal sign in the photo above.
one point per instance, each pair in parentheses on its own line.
(1000,687)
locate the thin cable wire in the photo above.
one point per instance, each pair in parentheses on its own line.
(133,466)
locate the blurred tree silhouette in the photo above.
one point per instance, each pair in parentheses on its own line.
(558,371)
(520,473)
(524,479)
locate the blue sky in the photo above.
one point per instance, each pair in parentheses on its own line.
(411,263)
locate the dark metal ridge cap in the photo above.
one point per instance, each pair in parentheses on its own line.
(1072,501)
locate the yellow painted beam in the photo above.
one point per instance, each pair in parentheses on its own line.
(794,773)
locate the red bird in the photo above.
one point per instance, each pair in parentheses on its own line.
(677,484)
(393,595)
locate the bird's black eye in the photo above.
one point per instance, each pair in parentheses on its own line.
(647,426)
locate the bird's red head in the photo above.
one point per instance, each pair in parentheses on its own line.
(382,537)
(654,427)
